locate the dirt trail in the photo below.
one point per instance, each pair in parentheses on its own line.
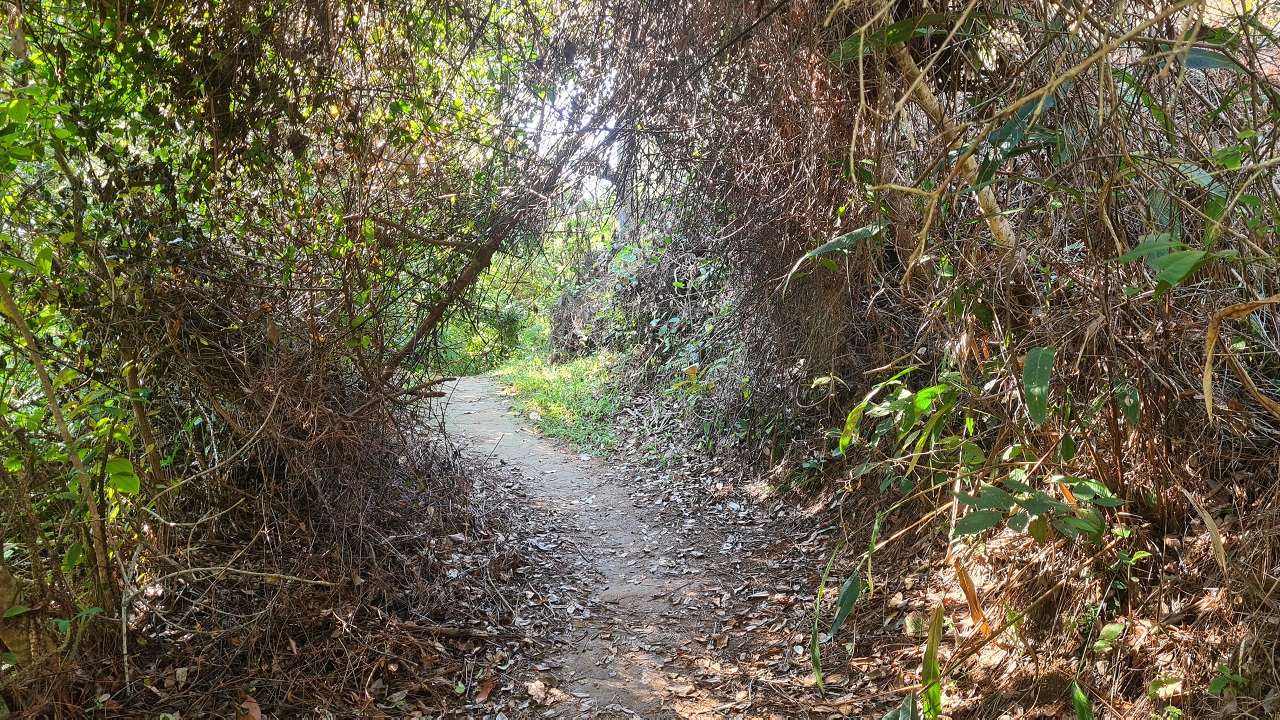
(652,619)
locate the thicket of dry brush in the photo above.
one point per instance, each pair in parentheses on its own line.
(1092,185)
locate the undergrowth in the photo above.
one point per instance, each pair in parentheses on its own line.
(573,400)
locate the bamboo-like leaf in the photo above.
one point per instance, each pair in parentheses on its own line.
(844,242)
(1202,59)
(908,710)
(931,671)
(1084,710)
(849,594)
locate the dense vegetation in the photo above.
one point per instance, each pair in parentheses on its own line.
(234,235)
(1000,274)
(1003,269)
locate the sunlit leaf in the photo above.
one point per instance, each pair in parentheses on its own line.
(931,671)
(1084,710)
(1035,382)
(849,593)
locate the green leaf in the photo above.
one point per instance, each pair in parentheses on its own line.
(1041,504)
(127,483)
(851,426)
(977,521)
(861,44)
(1107,637)
(1202,59)
(848,239)
(18,263)
(1067,448)
(1018,523)
(119,466)
(1084,709)
(1088,521)
(44,261)
(931,671)
(839,244)
(908,710)
(990,498)
(1130,402)
(18,110)
(1218,684)
(1035,382)
(849,594)
(1149,246)
(971,454)
(1038,529)
(73,557)
(15,611)
(1230,157)
(1178,266)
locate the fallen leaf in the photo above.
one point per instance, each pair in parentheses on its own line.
(247,708)
(486,687)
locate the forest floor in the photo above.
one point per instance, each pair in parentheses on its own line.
(681,595)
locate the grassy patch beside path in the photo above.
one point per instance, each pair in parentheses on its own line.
(572,401)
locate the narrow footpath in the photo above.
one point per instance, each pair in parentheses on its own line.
(687,604)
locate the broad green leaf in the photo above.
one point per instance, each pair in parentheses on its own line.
(1084,710)
(1218,684)
(1149,246)
(1178,266)
(990,497)
(44,261)
(1067,449)
(119,466)
(1088,521)
(1130,402)
(977,521)
(1038,529)
(1041,504)
(73,557)
(18,110)
(1035,382)
(1230,157)
(908,710)
(127,483)
(1018,523)
(1112,631)
(971,454)
(1198,177)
